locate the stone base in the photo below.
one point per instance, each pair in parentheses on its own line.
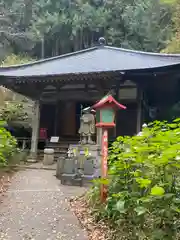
(68,167)
(59,167)
(48,156)
(32,158)
(70,180)
(29,160)
(48,160)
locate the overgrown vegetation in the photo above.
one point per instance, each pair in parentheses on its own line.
(15,60)
(9,113)
(13,106)
(143,185)
(173,44)
(8,145)
(13,112)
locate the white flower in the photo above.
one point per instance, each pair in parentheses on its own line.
(140,134)
(127,150)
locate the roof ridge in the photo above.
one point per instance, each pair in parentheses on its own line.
(143,52)
(48,59)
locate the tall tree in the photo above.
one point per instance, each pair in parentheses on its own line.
(142,25)
(173,45)
(72,25)
(12,35)
(61,26)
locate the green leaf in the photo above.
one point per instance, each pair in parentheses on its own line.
(3,123)
(143,182)
(140,210)
(158,234)
(176,209)
(120,206)
(145,199)
(104,181)
(168,195)
(137,173)
(157,191)
(176,200)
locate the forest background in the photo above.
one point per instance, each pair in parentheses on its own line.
(32,29)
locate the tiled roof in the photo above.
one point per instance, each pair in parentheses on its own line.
(96,59)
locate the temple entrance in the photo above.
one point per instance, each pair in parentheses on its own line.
(47,118)
(62,118)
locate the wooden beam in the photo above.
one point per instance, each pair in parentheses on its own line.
(75,95)
(24,84)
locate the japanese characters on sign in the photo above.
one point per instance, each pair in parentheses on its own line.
(104,163)
(105,153)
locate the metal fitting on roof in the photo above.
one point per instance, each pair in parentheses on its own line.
(102,41)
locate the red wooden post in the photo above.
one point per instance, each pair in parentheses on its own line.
(104,166)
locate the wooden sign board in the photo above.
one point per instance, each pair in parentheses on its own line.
(54,139)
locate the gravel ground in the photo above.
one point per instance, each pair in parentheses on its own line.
(36,207)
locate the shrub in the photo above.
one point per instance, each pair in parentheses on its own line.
(13,112)
(144,184)
(8,146)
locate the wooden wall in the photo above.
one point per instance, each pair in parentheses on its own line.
(68,127)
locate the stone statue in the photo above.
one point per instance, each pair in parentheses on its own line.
(87,128)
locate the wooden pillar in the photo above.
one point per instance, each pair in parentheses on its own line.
(139,111)
(35,132)
(56,119)
(114,129)
(99,136)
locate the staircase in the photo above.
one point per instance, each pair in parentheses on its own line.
(60,148)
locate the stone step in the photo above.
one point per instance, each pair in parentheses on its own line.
(60,149)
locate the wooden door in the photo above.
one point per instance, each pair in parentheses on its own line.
(69,121)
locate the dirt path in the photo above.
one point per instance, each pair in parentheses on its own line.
(36,207)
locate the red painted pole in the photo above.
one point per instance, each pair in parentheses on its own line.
(104,167)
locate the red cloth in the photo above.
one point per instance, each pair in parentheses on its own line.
(43,133)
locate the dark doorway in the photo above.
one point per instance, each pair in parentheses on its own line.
(126,120)
(47,119)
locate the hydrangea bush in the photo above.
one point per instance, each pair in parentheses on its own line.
(143,184)
(8,145)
